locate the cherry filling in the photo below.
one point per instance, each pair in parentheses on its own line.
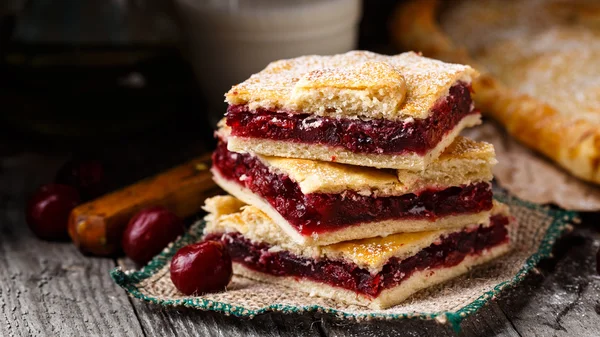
(451,251)
(356,135)
(321,212)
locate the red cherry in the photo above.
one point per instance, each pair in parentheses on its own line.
(202,267)
(149,232)
(48,211)
(87,176)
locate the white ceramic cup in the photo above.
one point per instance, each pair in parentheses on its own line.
(230,40)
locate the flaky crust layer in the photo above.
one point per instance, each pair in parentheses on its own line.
(541,84)
(389,297)
(355,84)
(411,162)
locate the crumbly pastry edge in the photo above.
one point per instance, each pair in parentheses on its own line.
(414,25)
(417,281)
(288,149)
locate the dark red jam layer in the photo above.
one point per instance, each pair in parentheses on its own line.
(320,212)
(449,252)
(356,135)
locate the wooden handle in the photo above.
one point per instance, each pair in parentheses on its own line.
(96,227)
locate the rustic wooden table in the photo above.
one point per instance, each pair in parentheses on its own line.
(50,289)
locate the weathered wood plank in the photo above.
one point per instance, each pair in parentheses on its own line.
(338,328)
(160,321)
(489,321)
(564,299)
(50,289)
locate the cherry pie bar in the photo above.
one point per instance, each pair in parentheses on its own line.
(377,272)
(349,179)
(317,202)
(357,108)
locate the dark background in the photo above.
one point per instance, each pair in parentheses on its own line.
(78,97)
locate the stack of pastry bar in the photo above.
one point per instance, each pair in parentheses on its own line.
(349,180)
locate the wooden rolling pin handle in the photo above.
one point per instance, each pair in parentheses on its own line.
(96,227)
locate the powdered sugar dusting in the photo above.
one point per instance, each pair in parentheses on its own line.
(426,79)
(365,74)
(311,123)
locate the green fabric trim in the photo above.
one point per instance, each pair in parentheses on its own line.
(128,280)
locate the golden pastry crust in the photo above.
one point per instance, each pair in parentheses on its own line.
(355,84)
(365,87)
(541,77)
(369,253)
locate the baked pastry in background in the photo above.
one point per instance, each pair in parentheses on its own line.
(357,108)
(317,202)
(539,63)
(376,272)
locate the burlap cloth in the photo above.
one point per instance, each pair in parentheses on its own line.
(532,177)
(451,302)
